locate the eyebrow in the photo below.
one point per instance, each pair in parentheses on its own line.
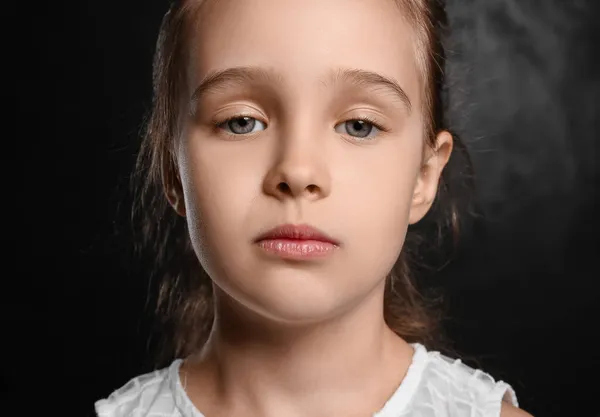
(252,74)
(374,80)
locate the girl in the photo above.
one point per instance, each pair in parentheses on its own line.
(292,149)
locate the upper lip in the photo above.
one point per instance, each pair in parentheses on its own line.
(298,232)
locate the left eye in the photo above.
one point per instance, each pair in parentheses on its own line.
(357,128)
(242,125)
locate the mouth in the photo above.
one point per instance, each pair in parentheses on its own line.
(297,242)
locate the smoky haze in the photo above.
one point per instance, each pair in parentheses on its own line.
(524,94)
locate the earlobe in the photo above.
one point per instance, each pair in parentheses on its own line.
(172,187)
(429,176)
(175,198)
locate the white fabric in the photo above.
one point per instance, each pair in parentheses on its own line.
(434,386)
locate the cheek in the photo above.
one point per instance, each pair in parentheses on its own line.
(221,185)
(379,213)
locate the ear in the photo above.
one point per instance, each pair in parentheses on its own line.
(429,176)
(171,181)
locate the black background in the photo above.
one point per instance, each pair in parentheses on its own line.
(525,84)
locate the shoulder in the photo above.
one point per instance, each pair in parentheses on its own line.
(148,395)
(511,411)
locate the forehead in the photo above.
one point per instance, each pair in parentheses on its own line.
(304,40)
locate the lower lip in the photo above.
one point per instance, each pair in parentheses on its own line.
(297,249)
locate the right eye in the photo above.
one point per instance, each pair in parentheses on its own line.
(241,125)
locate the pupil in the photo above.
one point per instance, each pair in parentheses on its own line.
(241,125)
(359,127)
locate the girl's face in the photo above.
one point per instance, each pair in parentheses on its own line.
(299,77)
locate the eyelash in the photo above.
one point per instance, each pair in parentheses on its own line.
(218,123)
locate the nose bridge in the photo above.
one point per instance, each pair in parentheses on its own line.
(297,147)
(299,141)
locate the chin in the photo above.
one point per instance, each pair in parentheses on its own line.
(296,312)
(294,297)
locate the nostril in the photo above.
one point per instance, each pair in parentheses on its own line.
(284,188)
(312,188)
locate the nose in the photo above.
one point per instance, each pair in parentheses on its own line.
(298,171)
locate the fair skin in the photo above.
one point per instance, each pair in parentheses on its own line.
(311,332)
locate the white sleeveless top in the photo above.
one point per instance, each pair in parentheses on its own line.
(434,386)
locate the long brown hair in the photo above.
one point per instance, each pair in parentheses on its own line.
(183,291)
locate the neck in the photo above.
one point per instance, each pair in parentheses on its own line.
(255,364)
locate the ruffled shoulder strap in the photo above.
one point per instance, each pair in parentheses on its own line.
(145,395)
